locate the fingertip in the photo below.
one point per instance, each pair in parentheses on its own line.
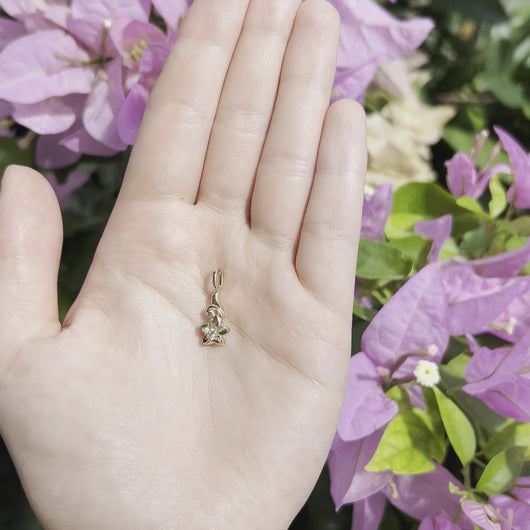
(349,112)
(24,180)
(343,144)
(320,14)
(29,205)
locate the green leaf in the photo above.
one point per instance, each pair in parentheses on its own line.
(453,377)
(498,201)
(364,312)
(502,471)
(11,154)
(431,417)
(399,395)
(514,435)
(479,10)
(459,429)
(449,249)
(418,201)
(453,488)
(455,370)
(501,86)
(516,227)
(411,439)
(476,240)
(526,110)
(381,261)
(473,206)
(404,448)
(516,242)
(416,248)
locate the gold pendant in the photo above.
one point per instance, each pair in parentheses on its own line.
(215,331)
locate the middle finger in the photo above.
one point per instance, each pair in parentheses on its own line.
(246,105)
(286,169)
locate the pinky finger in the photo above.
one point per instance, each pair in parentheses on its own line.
(327,252)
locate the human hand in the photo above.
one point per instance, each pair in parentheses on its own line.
(121,418)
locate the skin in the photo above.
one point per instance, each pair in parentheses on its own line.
(120,418)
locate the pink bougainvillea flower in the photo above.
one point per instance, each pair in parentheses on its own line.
(350,482)
(41,65)
(438,230)
(427,495)
(376,211)
(352,81)
(50,154)
(511,324)
(395,339)
(131,113)
(29,9)
(103,104)
(464,179)
(419,496)
(81,142)
(173,11)
(133,108)
(440,522)
(505,265)
(366,408)
(152,61)
(91,21)
(101,51)
(521,489)
(519,192)
(50,116)
(475,301)
(519,510)
(500,377)
(368,513)
(135,39)
(63,190)
(365,414)
(10,30)
(486,516)
(5,108)
(371,36)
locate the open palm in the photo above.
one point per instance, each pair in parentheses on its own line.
(121,417)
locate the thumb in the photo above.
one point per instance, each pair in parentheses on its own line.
(30,250)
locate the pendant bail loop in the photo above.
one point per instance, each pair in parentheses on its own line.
(218,279)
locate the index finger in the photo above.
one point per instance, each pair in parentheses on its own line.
(169,153)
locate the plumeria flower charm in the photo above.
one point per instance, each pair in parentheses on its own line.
(215,330)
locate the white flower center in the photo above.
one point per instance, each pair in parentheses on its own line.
(427,373)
